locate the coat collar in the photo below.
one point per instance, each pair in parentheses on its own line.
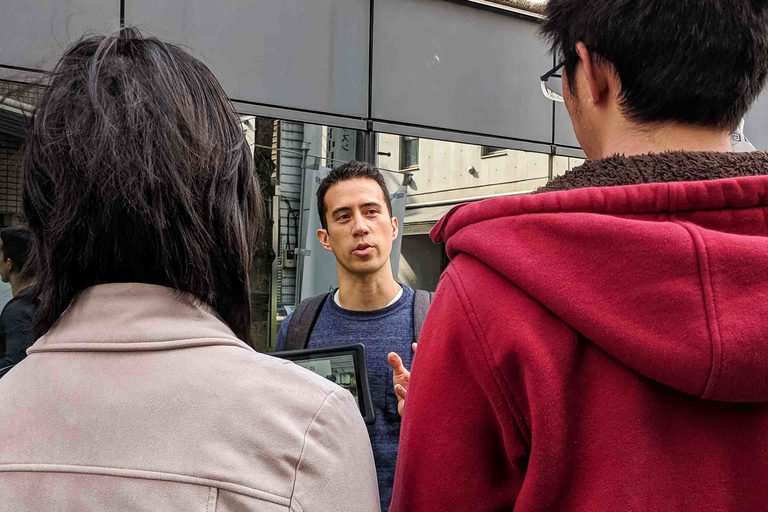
(135,317)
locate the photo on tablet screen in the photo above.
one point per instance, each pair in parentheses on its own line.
(338,369)
(345,366)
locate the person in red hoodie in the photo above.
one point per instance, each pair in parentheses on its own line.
(603,344)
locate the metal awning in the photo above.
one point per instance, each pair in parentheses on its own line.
(13,117)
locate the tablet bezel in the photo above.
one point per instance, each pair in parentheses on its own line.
(361,369)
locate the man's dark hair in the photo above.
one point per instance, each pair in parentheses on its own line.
(345,172)
(136,169)
(701,62)
(16,243)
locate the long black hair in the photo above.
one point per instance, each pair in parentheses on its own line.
(136,169)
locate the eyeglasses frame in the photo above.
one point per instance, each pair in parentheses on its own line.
(546,76)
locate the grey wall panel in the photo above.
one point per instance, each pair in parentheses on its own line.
(756,125)
(452,66)
(460,137)
(304,54)
(564,134)
(299,116)
(35,33)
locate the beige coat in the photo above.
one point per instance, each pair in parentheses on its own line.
(140,400)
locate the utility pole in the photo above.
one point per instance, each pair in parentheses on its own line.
(261,273)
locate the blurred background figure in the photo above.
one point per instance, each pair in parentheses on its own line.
(17,317)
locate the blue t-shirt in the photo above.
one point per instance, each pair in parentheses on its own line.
(381,331)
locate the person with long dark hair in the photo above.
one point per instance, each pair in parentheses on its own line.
(142,392)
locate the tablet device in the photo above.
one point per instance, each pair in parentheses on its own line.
(343,365)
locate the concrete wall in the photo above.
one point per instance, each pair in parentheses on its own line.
(443,172)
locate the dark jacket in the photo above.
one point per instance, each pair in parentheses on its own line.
(599,347)
(17,327)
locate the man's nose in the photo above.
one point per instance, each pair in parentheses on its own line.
(360,227)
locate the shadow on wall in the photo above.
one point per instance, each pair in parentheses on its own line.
(421,262)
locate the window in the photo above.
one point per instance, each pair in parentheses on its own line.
(409,152)
(490,150)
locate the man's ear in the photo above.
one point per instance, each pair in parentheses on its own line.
(596,75)
(322,235)
(395,227)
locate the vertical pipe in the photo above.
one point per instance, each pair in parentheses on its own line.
(370,146)
(299,252)
(551,169)
(272,334)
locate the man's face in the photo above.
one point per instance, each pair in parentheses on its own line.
(360,229)
(5,265)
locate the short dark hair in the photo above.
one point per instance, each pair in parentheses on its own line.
(136,169)
(16,244)
(696,63)
(345,172)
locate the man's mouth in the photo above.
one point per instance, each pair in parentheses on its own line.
(362,249)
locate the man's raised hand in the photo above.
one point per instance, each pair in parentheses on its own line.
(401,378)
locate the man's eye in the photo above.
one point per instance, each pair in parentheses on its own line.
(372,212)
(343,217)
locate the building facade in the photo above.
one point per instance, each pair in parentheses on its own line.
(444,174)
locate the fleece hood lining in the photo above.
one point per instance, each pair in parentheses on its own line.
(671,167)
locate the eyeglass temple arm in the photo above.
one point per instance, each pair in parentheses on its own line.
(546,76)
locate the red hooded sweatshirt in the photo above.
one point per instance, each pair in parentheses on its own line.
(598,349)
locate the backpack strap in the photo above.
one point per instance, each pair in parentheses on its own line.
(421,301)
(302,322)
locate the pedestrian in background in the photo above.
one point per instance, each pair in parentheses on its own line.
(18,315)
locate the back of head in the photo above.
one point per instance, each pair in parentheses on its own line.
(16,245)
(136,169)
(692,62)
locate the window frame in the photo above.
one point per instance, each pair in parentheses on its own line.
(404,139)
(487,151)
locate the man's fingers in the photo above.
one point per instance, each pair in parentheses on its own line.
(400,391)
(395,362)
(413,346)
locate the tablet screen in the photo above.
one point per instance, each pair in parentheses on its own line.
(345,366)
(339,369)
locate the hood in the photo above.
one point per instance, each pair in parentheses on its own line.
(667,275)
